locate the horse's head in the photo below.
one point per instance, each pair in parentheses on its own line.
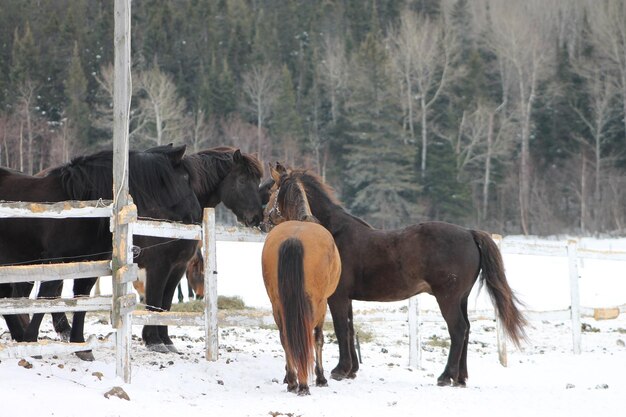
(239,189)
(271,214)
(287,201)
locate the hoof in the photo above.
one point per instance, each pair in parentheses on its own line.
(444,381)
(172,348)
(303,390)
(292,388)
(64,335)
(338,376)
(158,347)
(86,355)
(321,382)
(459,384)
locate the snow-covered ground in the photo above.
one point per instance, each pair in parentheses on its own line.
(544,378)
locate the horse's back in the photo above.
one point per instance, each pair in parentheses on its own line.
(321,261)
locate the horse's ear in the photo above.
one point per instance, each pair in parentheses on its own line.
(265,190)
(176,153)
(280,168)
(275,172)
(237,156)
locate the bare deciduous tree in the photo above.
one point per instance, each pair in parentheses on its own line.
(161,109)
(520,38)
(421,50)
(260,86)
(26,98)
(608,23)
(333,72)
(243,135)
(102,116)
(595,114)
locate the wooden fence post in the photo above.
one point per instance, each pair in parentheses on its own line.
(572,253)
(210,284)
(415,337)
(500,334)
(122,236)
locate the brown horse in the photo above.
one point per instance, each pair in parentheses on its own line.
(439,258)
(301,268)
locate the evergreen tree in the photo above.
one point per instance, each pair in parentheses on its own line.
(77,108)
(286,124)
(380,181)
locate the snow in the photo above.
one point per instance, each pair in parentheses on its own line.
(544,378)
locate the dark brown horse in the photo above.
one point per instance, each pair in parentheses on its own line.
(301,268)
(439,258)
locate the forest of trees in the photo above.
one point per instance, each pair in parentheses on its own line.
(505,115)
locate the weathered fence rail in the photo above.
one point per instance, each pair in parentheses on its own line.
(569,249)
(120,304)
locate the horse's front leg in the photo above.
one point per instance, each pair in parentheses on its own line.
(340,307)
(59,320)
(82,288)
(173,281)
(47,289)
(155,286)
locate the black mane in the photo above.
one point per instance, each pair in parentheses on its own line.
(208,167)
(151,179)
(321,196)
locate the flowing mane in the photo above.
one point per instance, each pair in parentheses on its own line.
(318,193)
(208,167)
(151,178)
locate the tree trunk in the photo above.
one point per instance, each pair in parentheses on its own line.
(424,136)
(29,126)
(22,146)
(259,127)
(583,195)
(488,165)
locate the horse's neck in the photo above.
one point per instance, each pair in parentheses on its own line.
(303,210)
(335,218)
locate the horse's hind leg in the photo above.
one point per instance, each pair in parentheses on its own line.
(82,288)
(353,354)
(457,328)
(340,307)
(463,374)
(320,379)
(290,372)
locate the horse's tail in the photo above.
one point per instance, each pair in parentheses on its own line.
(503,298)
(297,316)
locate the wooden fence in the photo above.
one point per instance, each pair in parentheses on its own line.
(569,249)
(120,304)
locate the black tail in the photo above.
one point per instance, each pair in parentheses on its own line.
(503,298)
(297,317)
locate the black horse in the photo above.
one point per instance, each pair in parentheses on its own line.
(160,188)
(222,174)
(439,258)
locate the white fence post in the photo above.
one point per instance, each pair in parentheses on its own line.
(210,284)
(572,248)
(415,339)
(500,334)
